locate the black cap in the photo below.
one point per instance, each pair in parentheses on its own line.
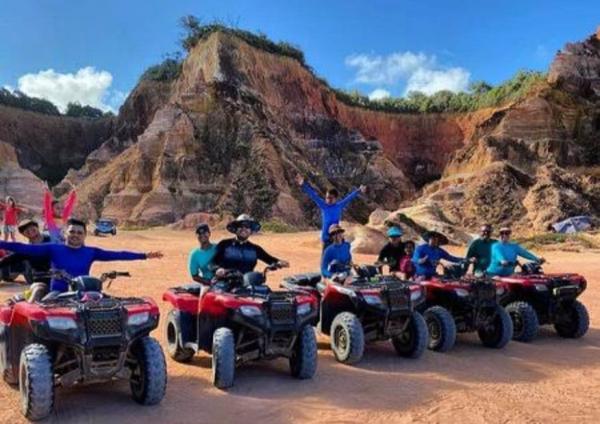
(202,228)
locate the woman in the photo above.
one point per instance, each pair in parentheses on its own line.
(427,256)
(55,217)
(11,217)
(505,254)
(338,250)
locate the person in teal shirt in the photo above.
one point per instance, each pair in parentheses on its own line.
(201,258)
(480,250)
(505,254)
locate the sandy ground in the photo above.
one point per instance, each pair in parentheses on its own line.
(549,380)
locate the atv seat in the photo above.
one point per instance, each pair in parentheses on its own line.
(310,279)
(192,288)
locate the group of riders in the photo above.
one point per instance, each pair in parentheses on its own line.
(65,249)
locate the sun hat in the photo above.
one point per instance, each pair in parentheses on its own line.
(243,219)
(335,228)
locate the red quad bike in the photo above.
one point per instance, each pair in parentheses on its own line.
(535,298)
(364,306)
(240,319)
(82,336)
(459,303)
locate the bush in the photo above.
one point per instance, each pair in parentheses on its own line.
(22,101)
(546,239)
(166,71)
(76,110)
(277,226)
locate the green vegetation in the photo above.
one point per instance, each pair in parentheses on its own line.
(278,226)
(541,240)
(22,101)
(76,110)
(166,71)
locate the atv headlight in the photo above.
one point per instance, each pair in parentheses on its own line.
(138,319)
(61,323)
(415,295)
(250,311)
(303,309)
(461,292)
(541,287)
(372,299)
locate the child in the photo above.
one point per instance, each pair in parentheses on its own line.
(54,217)
(11,217)
(407,267)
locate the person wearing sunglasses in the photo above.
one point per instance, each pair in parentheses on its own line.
(338,251)
(479,252)
(505,253)
(239,253)
(200,260)
(74,257)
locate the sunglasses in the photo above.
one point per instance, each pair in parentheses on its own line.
(77,232)
(505,233)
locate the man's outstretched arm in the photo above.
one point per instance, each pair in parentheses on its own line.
(111,255)
(39,250)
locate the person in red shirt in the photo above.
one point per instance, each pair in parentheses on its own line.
(407,267)
(11,217)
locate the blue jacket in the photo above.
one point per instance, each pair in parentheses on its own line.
(76,262)
(507,252)
(339,252)
(330,214)
(434,255)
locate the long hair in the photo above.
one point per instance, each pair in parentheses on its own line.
(10,200)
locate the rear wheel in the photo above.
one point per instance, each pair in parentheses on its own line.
(148,379)
(303,362)
(573,321)
(499,331)
(442,329)
(347,338)
(223,358)
(525,321)
(174,344)
(413,341)
(36,382)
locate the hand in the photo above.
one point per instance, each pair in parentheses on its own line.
(154,255)
(363,189)
(541,260)
(473,260)
(283,264)
(504,263)
(299,179)
(220,273)
(423,259)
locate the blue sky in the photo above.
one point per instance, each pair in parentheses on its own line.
(94,51)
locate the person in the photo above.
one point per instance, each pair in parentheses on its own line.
(479,251)
(200,260)
(73,257)
(428,255)
(393,251)
(31,231)
(504,255)
(56,216)
(331,209)
(238,253)
(407,267)
(11,217)
(338,250)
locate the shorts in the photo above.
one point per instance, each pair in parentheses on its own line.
(10,229)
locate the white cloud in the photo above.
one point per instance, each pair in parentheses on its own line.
(417,71)
(379,93)
(87,86)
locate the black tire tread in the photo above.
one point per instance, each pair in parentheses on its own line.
(36,359)
(418,326)
(155,371)
(223,357)
(356,337)
(303,364)
(448,328)
(531,324)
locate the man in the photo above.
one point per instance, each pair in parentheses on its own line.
(74,257)
(480,250)
(427,256)
(239,253)
(504,255)
(338,250)
(331,208)
(31,231)
(391,254)
(201,258)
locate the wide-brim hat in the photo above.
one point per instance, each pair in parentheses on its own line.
(26,223)
(441,237)
(243,219)
(335,228)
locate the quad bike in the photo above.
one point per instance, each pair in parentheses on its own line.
(459,303)
(359,305)
(240,319)
(534,298)
(81,336)
(10,273)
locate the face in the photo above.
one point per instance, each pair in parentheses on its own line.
(32,233)
(395,240)
(10,201)
(337,237)
(330,199)
(409,249)
(434,241)
(75,235)
(486,232)
(204,237)
(57,209)
(505,235)
(243,231)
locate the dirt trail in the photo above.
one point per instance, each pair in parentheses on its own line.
(549,380)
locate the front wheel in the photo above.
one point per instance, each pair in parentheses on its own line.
(442,329)
(525,321)
(148,379)
(347,338)
(498,332)
(223,358)
(36,382)
(174,344)
(573,321)
(303,362)
(413,341)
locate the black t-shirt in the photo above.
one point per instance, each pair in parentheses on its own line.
(241,256)
(391,255)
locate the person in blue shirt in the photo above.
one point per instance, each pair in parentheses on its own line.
(338,250)
(505,254)
(331,208)
(74,257)
(427,256)
(200,260)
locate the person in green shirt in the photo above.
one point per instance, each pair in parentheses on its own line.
(479,251)
(200,262)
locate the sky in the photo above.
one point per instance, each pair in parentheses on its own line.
(94,52)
